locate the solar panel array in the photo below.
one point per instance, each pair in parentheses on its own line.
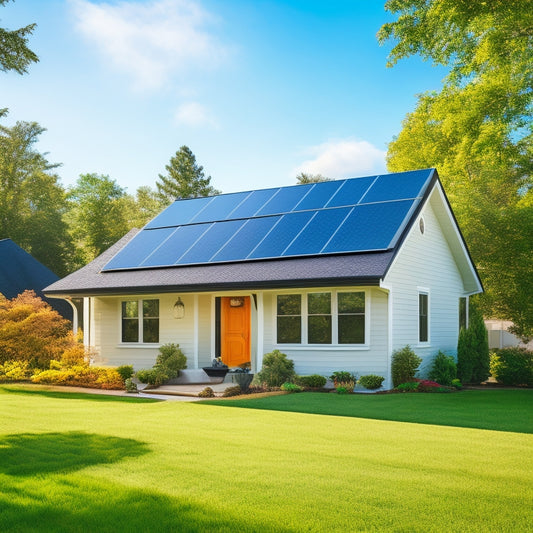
(332,217)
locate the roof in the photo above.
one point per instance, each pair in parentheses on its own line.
(19,271)
(325,234)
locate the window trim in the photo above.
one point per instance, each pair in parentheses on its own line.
(304,344)
(140,323)
(423,291)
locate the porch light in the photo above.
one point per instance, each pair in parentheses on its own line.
(236,301)
(179,309)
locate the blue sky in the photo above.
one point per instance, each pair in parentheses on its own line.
(259,90)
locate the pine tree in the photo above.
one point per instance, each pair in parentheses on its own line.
(184,179)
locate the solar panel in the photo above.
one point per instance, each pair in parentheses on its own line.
(142,245)
(281,235)
(344,216)
(318,231)
(180,212)
(248,237)
(175,246)
(369,227)
(211,242)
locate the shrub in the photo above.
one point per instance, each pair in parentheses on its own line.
(426,385)
(81,376)
(30,330)
(341,390)
(314,381)
(171,360)
(14,371)
(405,363)
(410,386)
(457,384)
(232,391)
(277,369)
(74,355)
(153,376)
(473,358)
(342,376)
(291,387)
(444,369)
(129,385)
(371,381)
(125,371)
(512,366)
(206,393)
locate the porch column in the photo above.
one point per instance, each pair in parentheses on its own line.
(87,321)
(196,330)
(74,316)
(260,332)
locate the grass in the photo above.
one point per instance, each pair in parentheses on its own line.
(93,465)
(499,410)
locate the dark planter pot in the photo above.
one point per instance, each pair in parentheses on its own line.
(215,372)
(243,379)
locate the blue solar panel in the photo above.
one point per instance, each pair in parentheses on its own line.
(317,233)
(319,195)
(345,216)
(211,242)
(253,203)
(243,242)
(180,212)
(281,235)
(369,227)
(142,245)
(399,186)
(285,200)
(175,246)
(220,207)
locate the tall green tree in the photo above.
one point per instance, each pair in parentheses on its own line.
(478,132)
(14,52)
(32,201)
(304,178)
(97,215)
(184,178)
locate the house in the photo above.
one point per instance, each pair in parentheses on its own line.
(337,275)
(19,271)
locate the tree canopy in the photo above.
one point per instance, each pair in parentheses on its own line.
(478,132)
(14,52)
(184,179)
(303,178)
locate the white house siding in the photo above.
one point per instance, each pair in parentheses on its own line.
(425,262)
(371,359)
(106,340)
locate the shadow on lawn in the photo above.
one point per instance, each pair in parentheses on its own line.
(28,454)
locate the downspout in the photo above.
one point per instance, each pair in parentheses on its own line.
(74,316)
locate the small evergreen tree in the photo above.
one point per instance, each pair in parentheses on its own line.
(184,179)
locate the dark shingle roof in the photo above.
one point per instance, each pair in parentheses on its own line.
(19,271)
(353,263)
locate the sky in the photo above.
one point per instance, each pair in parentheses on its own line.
(258,90)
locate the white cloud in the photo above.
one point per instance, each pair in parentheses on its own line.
(150,41)
(194,114)
(343,158)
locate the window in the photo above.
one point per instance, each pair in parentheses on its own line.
(351,316)
(140,326)
(319,318)
(422,317)
(289,320)
(328,317)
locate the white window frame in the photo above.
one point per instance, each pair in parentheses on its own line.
(140,318)
(303,345)
(423,291)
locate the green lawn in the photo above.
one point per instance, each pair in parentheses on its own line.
(88,463)
(500,410)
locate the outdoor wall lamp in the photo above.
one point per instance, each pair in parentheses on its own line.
(179,309)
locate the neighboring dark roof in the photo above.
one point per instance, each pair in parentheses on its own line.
(19,271)
(300,272)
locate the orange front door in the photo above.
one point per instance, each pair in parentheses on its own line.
(235,331)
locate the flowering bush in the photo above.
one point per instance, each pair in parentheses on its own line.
(14,371)
(81,376)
